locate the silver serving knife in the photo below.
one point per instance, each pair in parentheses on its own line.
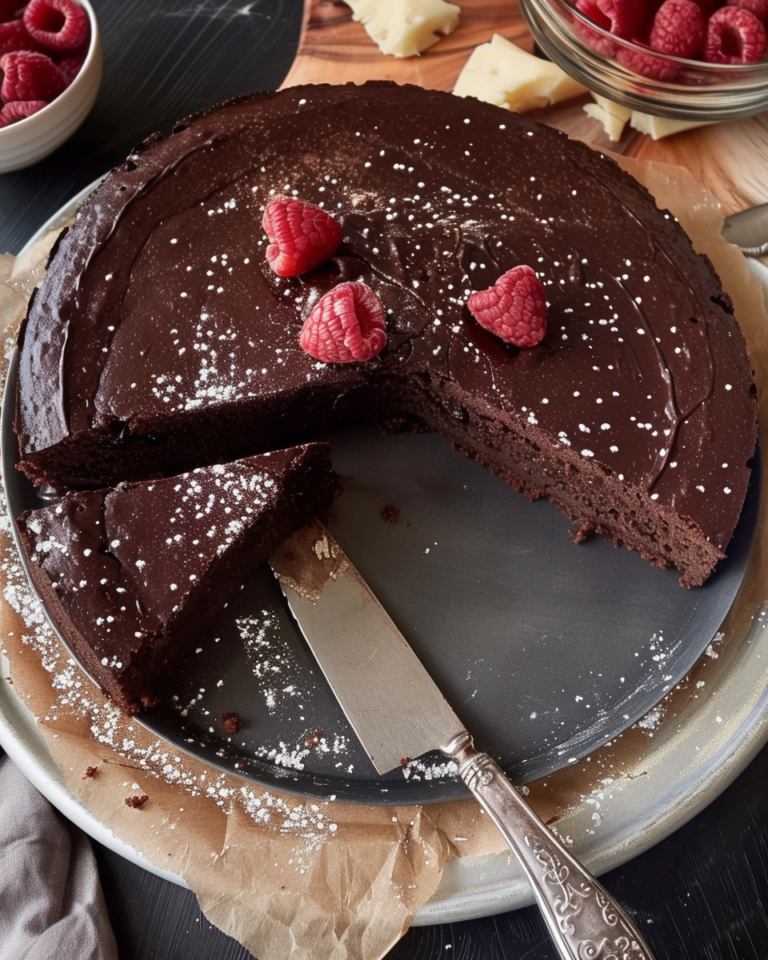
(398,713)
(748,229)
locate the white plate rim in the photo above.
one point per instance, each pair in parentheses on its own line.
(730,727)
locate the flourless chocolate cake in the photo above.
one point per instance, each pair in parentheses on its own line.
(161,339)
(134,575)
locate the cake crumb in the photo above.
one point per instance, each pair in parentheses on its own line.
(90,772)
(390,513)
(231,721)
(136,802)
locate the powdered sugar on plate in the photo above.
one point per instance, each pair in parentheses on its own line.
(73,694)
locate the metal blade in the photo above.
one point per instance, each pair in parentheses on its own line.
(748,229)
(388,697)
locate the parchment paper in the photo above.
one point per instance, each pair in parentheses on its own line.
(293,879)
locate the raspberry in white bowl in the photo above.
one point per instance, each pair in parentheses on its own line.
(43,47)
(50,72)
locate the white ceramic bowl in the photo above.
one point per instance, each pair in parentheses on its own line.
(27,141)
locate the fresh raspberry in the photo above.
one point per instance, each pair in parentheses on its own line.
(591,9)
(758,8)
(678,29)
(598,42)
(302,236)
(30,76)
(734,35)
(622,18)
(14,36)
(57,24)
(18,110)
(647,65)
(514,308)
(345,325)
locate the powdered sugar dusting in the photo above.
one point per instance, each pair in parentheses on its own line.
(72,694)
(272,662)
(437,770)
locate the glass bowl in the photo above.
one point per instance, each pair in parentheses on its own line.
(27,141)
(675,88)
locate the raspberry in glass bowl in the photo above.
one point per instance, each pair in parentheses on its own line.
(697,60)
(50,73)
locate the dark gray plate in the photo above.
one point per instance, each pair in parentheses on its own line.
(545,649)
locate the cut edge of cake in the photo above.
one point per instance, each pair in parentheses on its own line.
(300,481)
(586,493)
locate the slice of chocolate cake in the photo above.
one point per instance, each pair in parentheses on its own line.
(161,339)
(134,575)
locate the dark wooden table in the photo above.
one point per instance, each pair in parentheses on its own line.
(700,895)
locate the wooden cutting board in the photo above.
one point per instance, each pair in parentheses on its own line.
(731,159)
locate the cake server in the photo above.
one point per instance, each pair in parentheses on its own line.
(398,713)
(748,229)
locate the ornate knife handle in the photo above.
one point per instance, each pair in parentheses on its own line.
(583,919)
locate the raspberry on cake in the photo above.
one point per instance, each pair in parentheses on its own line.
(302,236)
(635,414)
(346,325)
(514,308)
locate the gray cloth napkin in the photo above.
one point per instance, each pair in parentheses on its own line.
(51,903)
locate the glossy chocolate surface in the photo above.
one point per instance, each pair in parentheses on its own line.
(159,304)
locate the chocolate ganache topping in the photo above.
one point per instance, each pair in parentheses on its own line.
(160,337)
(135,574)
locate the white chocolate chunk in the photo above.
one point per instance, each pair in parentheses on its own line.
(658,127)
(500,72)
(403,28)
(613,116)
